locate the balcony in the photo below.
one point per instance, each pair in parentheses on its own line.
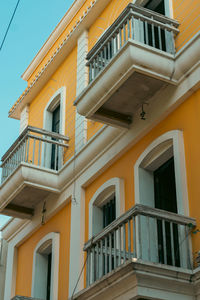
(131,61)
(29,171)
(142,240)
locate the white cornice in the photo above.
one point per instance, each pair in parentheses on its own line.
(77,4)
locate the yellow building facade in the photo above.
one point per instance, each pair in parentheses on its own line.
(103,181)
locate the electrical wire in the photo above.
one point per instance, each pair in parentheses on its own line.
(9,24)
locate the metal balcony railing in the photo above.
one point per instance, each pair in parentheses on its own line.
(144,233)
(135,23)
(35,146)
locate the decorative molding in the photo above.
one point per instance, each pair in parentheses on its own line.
(52,239)
(161,148)
(110,187)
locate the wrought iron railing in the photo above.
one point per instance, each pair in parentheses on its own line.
(135,23)
(144,233)
(35,146)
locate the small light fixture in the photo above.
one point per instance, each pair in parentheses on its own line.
(143,113)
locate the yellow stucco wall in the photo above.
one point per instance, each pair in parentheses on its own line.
(186,118)
(65,76)
(187,13)
(59,223)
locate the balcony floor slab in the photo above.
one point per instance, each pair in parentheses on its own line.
(142,280)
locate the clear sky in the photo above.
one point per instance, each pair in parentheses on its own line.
(31,26)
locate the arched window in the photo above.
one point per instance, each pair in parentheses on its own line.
(54,120)
(167,150)
(106,205)
(45,268)
(160,182)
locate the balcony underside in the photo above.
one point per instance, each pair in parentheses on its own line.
(25,189)
(131,78)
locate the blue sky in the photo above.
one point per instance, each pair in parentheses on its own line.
(31,26)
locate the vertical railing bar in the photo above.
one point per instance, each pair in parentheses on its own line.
(56,157)
(97,263)
(105,61)
(112,47)
(189,263)
(33,155)
(156,239)
(153,35)
(106,256)
(101,54)
(110,252)
(93,264)
(134,238)
(172,243)
(27,154)
(90,72)
(129,239)
(115,249)
(108,51)
(88,268)
(39,151)
(180,246)
(149,240)
(101,260)
(120,38)
(132,27)
(139,252)
(146,33)
(94,67)
(116,42)
(159,38)
(124,32)
(119,237)
(164,241)
(124,242)
(129,32)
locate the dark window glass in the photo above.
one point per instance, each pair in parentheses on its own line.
(165,199)
(49,276)
(55,128)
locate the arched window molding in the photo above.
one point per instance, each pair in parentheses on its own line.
(39,274)
(159,151)
(59,98)
(101,196)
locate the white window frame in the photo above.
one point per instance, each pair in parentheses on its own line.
(52,239)
(59,98)
(170,144)
(114,186)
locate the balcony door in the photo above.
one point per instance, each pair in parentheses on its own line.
(159,7)
(55,128)
(165,199)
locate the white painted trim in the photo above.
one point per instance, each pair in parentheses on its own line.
(110,187)
(11,272)
(176,137)
(54,239)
